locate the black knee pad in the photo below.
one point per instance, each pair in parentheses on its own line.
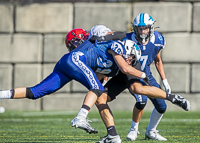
(162,110)
(29,93)
(140,105)
(97,92)
(12,93)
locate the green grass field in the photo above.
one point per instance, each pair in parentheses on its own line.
(55,127)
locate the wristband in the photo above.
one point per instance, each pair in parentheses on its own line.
(164,81)
(143,75)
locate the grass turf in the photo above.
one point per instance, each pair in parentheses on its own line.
(55,126)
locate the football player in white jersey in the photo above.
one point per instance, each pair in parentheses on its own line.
(150,42)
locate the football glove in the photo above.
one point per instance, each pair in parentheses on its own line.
(166,86)
(146,80)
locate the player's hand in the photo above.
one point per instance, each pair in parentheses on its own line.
(146,80)
(166,86)
(105,80)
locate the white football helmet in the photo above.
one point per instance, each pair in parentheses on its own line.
(132,50)
(99,30)
(143,20)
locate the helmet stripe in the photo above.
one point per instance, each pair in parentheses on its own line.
(142,17)
(142,20)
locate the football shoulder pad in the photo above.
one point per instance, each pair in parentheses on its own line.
(158,40)
(118,47)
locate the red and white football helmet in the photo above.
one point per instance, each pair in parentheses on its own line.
(75,38)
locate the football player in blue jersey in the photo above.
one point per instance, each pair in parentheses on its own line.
(119,83)
(85,63)
(150,42)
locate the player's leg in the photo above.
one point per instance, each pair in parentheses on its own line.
(154,92)
(155,118)
(104,110)
(80,120)
(50,84)
(138,111)
(133,132)
(139,106)
(151,132)
(108,119)
(14,93)
(112,88)
(156,115)
(82,73)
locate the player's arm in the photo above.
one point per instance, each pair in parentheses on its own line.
(125,67)
(159,66)
(110,36)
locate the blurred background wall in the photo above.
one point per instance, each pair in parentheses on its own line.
(32,34)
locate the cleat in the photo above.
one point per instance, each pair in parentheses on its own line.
(181,102)
(154,135)
(83,124)
(132,134)
(110,139)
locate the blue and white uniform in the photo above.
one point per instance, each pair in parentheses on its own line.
(149,53)
(81,65)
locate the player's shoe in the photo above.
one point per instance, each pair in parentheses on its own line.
(181,102)
(154,135)
(82,123)
(132,134)
(110,139)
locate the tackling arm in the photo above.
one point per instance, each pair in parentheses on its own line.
(110,36)
(125,67)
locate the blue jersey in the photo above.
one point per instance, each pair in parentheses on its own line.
(81,65)
(98,58)
(149,51)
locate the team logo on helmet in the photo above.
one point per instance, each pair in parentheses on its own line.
(132,51)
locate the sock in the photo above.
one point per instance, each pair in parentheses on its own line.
(134,125)
(111,131)
(86,107)
(6,94)
(83,111)
(170,97)
(154,120)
